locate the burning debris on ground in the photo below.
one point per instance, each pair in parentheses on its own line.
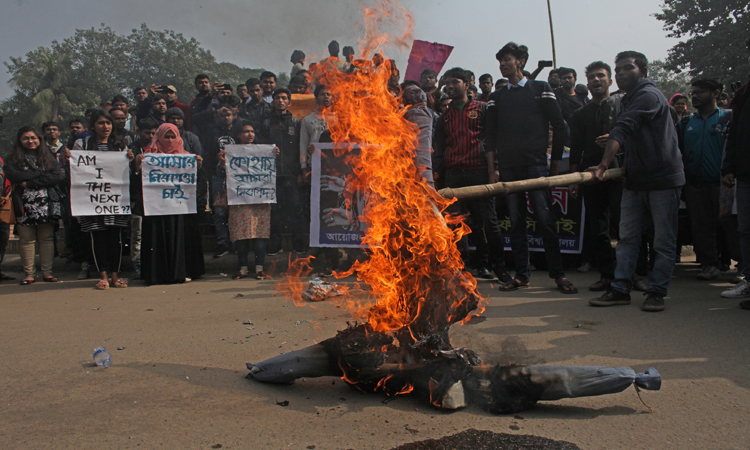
(417,283)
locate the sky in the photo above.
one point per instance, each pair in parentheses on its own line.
(252,33)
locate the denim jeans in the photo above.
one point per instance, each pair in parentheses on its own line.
(541,203)
(602,202)
(220,215)
(242,247)
(743,220)
(484,216)
(636,209)
(288,210)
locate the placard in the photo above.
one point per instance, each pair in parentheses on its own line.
(335,212)
(251,174)
(99,183)
(169,184)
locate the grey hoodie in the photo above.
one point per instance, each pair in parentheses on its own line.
(645,128)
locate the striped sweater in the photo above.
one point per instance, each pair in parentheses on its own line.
(459,138)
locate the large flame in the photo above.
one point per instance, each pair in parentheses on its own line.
(413,263)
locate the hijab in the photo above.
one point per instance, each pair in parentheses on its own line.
(161,145)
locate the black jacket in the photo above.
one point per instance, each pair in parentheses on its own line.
(35,179)
(283,131)
(652,155)
(737,158)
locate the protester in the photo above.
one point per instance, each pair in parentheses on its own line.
(268,83)
(653,177)
(566,94)
(140,94)
(500,83)
(298,61)
(428,80)
(298,85)
(519,117)
(736,172)
(203,85)
(146,131)
(121,102)
(282,129)
(588,131)
(242,93)
(420,115)
(51,131)
(701,138)
(554,78)
(120,135)
(153,107)
(4,227)
(78,130)
(680,104)
(191,142)
(105,231)
(247,223)
(255,108)
(171,246)
(459,151)
(34,171)
(485,84)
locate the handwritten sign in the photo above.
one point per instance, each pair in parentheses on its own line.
(251,174)
(99,183)
(169,184)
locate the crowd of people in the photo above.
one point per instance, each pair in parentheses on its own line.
(692,150)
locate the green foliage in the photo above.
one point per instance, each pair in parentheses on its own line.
(713,34)
(667,80)
(95,64)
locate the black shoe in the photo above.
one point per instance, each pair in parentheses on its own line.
(502,275)
(602,285)
(220,251)
(611,298)
(654,302)
(484,273)
(639,284)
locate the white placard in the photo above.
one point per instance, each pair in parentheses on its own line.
(169,184)
(251,174)
(99,183)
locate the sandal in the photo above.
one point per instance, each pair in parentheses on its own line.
(513,285)
(121,283)
(239,276)
(102,285)
(27,281)
(50,279)
(260,276)
(566,287)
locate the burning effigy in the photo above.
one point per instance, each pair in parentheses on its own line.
(417,283)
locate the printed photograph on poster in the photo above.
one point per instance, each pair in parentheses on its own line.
(99,183)
(251,174)
(334,211)
(570,221)
(169,184)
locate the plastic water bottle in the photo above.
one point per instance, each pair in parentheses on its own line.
(102,358)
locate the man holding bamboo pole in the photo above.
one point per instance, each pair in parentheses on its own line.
(653,177)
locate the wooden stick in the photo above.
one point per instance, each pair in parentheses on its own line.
(509,187)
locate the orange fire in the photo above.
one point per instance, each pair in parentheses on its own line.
(414,271)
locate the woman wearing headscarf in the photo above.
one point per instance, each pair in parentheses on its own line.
(105,231)
(171,250)
(34,171)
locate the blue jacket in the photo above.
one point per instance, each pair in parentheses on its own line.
(702,145)
(646,130)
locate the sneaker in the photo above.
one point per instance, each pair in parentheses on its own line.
(708,273)
(585,267)
(611,298)
(602,285)
(220,251)
(84,274)
(484,273)
(654,302)
(639,284)
(741,290)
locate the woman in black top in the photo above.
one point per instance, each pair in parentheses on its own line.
(105,231)
(35,173)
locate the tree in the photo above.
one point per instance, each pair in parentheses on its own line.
(48,77)
(667,80)
(716,31)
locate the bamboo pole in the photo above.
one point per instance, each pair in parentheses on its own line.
(552,35)
(509,187)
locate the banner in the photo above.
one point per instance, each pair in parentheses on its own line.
(570,214)
(251,174)
(426,55)
(169,184)
(99,183)
(334,212)
(302,105)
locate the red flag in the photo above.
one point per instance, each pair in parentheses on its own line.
(426,55)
